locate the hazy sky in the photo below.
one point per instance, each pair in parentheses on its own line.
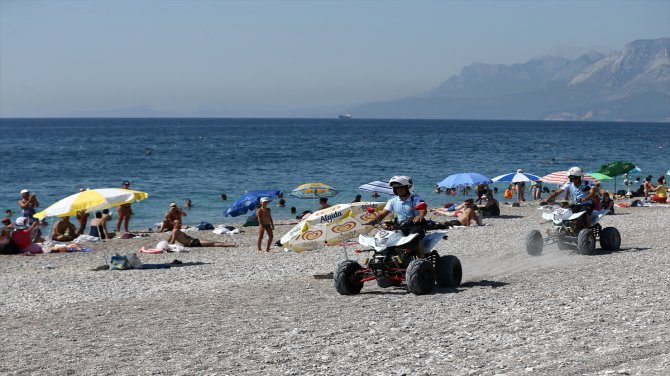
(57,57)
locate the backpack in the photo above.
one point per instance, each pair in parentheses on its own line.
(119,262)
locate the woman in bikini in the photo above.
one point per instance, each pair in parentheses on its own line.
(265,223)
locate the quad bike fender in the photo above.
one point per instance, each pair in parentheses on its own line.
(431,240)
(384,239)
(597,215)
(575,216)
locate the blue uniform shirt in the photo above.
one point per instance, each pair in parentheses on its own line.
(578,192)
(403,209)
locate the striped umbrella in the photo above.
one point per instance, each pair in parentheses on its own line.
(377,186)
(515,177)
(561,177)
(92,200)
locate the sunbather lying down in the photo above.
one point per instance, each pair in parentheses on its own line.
(178,236)
(466,217)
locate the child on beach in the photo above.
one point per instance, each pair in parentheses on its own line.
(265,223)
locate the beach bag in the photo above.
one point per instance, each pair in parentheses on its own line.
(118,262)
(508,194)
(205,226)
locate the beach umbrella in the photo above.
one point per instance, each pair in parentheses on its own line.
(92,200)
(378,186)
(616,168)
(249,200)
(314,190)
(515,177)
(331,226)
(464,179)
(561,177)
(599,176)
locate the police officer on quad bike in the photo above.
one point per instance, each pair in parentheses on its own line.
(580,194)
(409,219)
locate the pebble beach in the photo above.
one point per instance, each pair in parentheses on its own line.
(231,311)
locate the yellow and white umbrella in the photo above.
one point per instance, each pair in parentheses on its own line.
(331,226)
(92,200)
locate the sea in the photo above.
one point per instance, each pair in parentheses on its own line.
(201,159)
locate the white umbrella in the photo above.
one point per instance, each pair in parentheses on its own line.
(91,200)
(331,226)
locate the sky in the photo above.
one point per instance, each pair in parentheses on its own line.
(63,57)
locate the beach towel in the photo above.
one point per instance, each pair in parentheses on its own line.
(223,230)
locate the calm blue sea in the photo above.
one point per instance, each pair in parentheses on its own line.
(176,159)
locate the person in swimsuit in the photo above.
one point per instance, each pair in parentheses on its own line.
(99,227)
(265,223)
(64,230)
(174,214)
(124,212)
(178,236)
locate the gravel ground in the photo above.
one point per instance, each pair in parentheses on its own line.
(231,311)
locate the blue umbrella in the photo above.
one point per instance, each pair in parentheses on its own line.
(249,200)
(464,179)
(514,177)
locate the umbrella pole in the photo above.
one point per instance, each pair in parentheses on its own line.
(344,250)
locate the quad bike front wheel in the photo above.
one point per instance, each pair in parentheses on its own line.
(420,277)
(448,271)
(534,243)
(586,242)
(345,277)
(610,239)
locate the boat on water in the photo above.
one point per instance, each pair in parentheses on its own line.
(344,116)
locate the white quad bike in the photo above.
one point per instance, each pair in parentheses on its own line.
(392,263)
(569,233)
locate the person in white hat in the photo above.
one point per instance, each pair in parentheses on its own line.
(28,203)
(265,223)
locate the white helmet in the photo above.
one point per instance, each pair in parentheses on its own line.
(576,171)
(401,181)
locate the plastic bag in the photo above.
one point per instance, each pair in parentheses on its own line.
(508,194)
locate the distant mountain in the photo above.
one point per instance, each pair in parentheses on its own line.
(632,85)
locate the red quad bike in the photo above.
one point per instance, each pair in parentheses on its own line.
(392,263)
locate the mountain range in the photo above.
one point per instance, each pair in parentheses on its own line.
(629,85)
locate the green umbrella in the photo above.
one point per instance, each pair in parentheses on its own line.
(616,168)
(599,176)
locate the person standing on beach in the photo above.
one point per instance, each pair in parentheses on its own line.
(28,203)
(124,212)
(265,223)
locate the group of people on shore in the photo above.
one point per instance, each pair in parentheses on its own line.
(22,235)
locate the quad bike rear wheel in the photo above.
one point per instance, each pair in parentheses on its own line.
(345,277)
(534,243)
(610,239)
(448,271)
(586,242)
(420,277)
